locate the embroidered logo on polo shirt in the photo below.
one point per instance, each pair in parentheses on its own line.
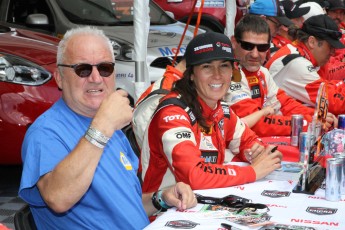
(125,161)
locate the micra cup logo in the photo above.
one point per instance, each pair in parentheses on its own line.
(183,224)
(275,193)
(321,210)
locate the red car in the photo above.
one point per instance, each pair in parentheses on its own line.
(27,86)
(213,13)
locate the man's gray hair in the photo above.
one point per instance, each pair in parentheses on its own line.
(83,30)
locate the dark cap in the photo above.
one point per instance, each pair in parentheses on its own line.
(271,8)
(293,9)
(208,47)
(324,28)
(335,5)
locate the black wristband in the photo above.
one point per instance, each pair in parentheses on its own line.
(156,203)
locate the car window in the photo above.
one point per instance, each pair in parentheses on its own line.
(95,12)
(124,11)
(19,11)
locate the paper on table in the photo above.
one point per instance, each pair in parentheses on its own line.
(288,171)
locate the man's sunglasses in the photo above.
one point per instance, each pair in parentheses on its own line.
(105,69)
(250,46)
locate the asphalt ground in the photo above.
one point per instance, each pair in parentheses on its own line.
(9,200)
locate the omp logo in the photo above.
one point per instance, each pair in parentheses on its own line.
(321,210)
(171,51)
(183,135)
(236,86)
(311,68)
(173,117)
(275,193)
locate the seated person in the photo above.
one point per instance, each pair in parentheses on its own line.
(149,100)
(79,170)
(294,67)
(257,89)
(188,134)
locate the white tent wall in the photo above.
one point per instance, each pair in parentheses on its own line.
(141,31)
(230,17)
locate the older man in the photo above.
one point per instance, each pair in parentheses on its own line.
(79,170)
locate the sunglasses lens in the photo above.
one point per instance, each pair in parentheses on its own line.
(250,46)
(263,47)
(83,70)
(105,69)
(247,46)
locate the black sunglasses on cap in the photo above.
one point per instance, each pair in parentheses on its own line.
(250,46)
(105,69)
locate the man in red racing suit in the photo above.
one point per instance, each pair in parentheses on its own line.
(257,89)
(294,67)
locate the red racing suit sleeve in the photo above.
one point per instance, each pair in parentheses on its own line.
(300,79)
(336,94)
(171,152)
(334,69)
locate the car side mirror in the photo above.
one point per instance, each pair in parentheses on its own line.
(37,19)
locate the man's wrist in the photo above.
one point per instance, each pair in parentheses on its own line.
(158,202)
(162,201)
(96,137)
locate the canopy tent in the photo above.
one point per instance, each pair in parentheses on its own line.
(141,27)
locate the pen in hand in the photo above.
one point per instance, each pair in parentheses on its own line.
(274,149)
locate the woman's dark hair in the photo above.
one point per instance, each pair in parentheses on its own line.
(186,88)
(252,23)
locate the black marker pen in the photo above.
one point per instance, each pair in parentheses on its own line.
(274,149)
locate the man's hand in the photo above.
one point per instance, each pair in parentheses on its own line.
(114,113)
(331,121)
(180,195)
